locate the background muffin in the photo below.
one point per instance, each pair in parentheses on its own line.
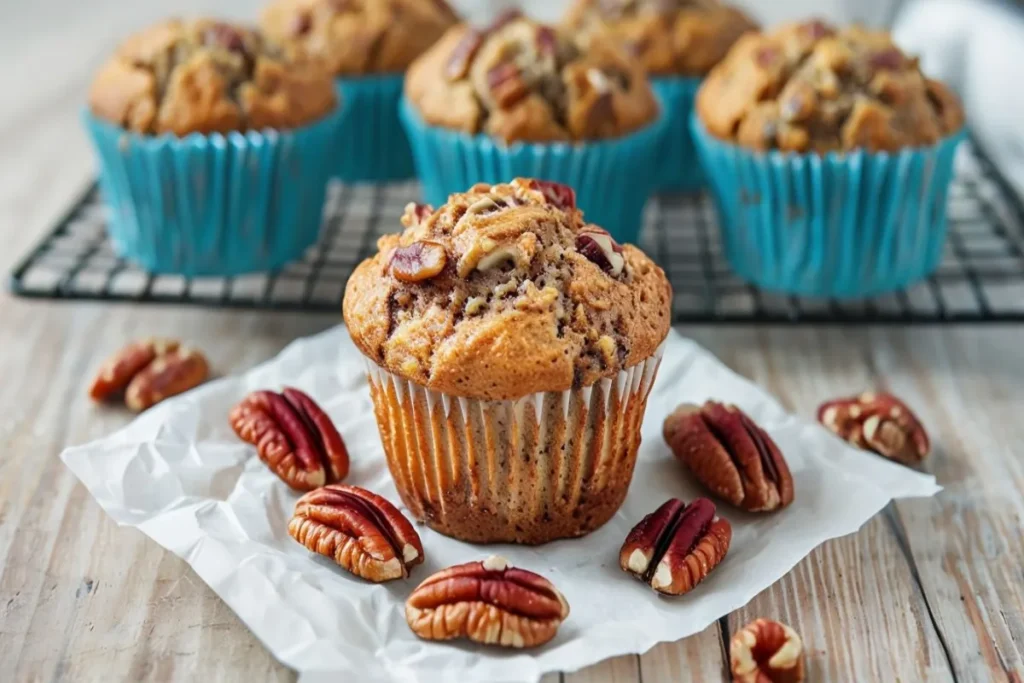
(189,192)
(488,104)
(856,205)
(489,326)
(677,42)
(367,45)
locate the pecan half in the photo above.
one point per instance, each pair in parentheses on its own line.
(599,247)
(766,651)
(293,436)
(676,546)
(488,602)
(878,422)
(119,369)
(557,194)
(148,371)
(730,455)
(418,261)
(361,531)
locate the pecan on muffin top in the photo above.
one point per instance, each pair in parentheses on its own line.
(503,292)
(670,37)
(813,88)
(520,80)
(207,76)
(358,37)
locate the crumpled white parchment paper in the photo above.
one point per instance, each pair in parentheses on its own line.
(180,475)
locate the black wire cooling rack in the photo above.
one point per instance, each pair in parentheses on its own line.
(981,278)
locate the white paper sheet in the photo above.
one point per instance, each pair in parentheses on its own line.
(180,475)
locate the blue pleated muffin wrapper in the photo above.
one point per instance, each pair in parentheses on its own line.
(372,146)
(835,225)
(680,165)
(613,178)
(214,204)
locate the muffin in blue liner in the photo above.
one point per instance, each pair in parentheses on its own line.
(371,145)
(681,170)
(842,225)
(613,178)
(219,204)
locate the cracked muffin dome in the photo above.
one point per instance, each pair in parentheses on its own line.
(357,37)
(813,88)
(520,80)
(207,76)
(669,37)
(503,292)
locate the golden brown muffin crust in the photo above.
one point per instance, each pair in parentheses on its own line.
(527,298)
(356,37)
(810,87)
(207,76)
(670,37)
(520,80)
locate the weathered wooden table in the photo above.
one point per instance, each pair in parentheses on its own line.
(927,590)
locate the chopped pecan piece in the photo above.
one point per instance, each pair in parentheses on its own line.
(293,436)
(730,455)
(418,261)
(878,422)
(488,602)
(361,531)
(676,546)
(598,246)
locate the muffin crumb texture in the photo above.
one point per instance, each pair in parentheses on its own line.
(669,37)
(505,291)
(811,87)
(207,76)
(358,37)
(518,80)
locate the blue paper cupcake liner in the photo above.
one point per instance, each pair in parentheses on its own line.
(372,146)
(835,225)
(214,204)
(612,178)
(680,169)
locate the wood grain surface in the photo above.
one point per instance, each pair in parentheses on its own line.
(928,590)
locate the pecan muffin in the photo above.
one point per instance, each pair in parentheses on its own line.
(518,80)
(207,76)
(669,37)
(813,88)
(511,347)
(829,156)
(212,146)
(358,37)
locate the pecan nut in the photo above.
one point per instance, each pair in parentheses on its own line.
(878,422)
(598,246)
(293,436)
(418,261)
(361,531)
(730,455)
(488,602)
(148,371)
(558,195)
(766,651)
(676,546)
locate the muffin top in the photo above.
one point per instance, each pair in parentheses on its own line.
(355,37)
(207,76)
(503,292)
(813,88)
(670,37)
(520,80)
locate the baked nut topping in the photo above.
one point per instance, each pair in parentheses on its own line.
(148,371)
(207,76)
(669,37)
(730,455)
(358,37)
(675,547)
(766,651)
(518,80)
(293,436)
(811,87)
(488,602)
(361,531)
(506,271)
(878,422)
